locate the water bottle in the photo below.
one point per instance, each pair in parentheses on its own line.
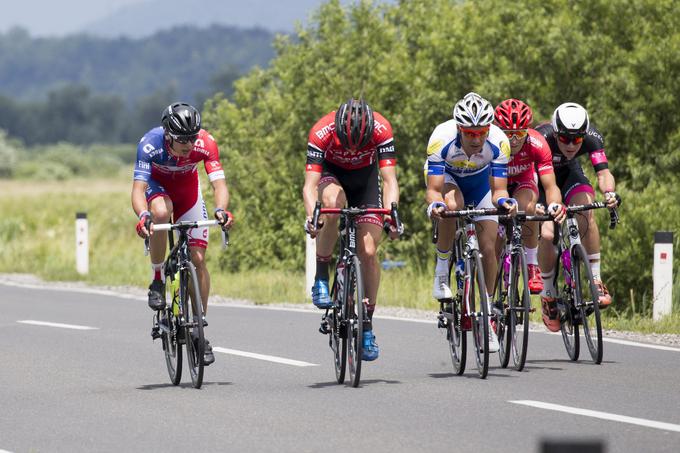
(506,270)
(460,271)
(566,265)
(174,287)
(340,276)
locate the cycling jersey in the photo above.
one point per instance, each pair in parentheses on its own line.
(593,145)
(534,156)
(177,177)
(324,146)
(445,153)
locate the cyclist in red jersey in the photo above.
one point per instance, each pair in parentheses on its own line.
(166,184)
(348,152)
(530,160)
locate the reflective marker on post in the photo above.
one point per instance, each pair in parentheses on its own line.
(82,245)
(662,274)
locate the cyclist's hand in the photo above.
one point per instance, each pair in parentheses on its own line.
(309,227)
(391,229)
(225,218)
(435,209)
(144,225)
(612,199)
(509,204)
(557,211)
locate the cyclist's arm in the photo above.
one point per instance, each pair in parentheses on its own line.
(310,191)
(390,185)
(138,197)
(499,188)
(221,193)
(605,181)
(552,191)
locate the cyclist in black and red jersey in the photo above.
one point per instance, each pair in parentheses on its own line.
(348,152)
(569,136)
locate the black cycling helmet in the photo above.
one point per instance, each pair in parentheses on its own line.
(181,119)
(354,124)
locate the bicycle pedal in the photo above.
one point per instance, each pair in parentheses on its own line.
(155,333)
(205,323)
(323,328)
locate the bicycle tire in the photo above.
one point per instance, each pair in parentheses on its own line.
(172,348)
(480,324)
(193,324)
(567,314)
(587,301)
(354,310)
(503,331)
(338,338)
(520,305)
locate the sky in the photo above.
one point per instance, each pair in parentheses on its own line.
(56,17)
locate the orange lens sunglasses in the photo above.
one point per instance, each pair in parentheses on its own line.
(474,133)
(566,139)
(518,133)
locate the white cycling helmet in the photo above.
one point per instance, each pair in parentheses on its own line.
(473,110)
(570,119)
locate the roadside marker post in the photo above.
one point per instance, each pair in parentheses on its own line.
(310,265)
(82,244)
(662,274)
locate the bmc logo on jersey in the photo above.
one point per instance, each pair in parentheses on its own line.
(325,130)
(214,165)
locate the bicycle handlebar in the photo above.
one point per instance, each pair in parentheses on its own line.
(393,213)
(187,225)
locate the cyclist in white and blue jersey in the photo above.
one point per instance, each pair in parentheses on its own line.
(467,165)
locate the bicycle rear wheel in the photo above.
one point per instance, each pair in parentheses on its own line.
(169,337)
(567,313)
(193,323)
(520,304)
(480,321)
(456,336)
(354,315)
(587,302)
(500,301)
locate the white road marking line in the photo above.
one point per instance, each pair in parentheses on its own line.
(603,415)
(301,310)
(56,324)
(5,451)
(269,358)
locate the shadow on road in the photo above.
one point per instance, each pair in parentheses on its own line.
(320,385)
(468,375)
(184,385)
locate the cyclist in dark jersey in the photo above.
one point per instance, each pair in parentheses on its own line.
(569,136)
(348,153)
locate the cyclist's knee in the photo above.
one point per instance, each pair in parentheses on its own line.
(198,257)
(334,199)
(160,213)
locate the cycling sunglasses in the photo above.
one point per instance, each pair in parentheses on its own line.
(519,134)
(566,139)
(184,139)
(474,133)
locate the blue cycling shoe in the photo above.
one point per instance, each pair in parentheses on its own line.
(371,349)
(320,295)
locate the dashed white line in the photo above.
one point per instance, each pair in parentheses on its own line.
(641,345)
(602,415)
(268,358)
(56,324)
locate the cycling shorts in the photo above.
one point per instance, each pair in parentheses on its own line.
(361,187)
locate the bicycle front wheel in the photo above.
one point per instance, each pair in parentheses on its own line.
(501,304)
(568,315)
(587,302)
(338,337)
(193,323)
(480,321)
(354,317)
(520,304)
(455,334)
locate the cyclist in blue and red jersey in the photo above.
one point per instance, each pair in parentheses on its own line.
(530,161)
(467,165)
(570,135)
(166,184)
(349,151)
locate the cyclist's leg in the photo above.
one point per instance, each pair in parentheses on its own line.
(161,208)
(547,256)
(369,233)
(526,195)
(453,197)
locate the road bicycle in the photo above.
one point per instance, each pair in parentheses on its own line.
(469,309)
(344,321)
(182,318)
(512,297)
(578,296)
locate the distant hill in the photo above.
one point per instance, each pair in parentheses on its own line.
(188,60)
(141,19)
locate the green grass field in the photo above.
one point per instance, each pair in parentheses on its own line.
(37,230)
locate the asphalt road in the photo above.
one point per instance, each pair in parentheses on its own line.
(107,389)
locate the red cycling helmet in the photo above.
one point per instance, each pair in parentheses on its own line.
(513,114)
